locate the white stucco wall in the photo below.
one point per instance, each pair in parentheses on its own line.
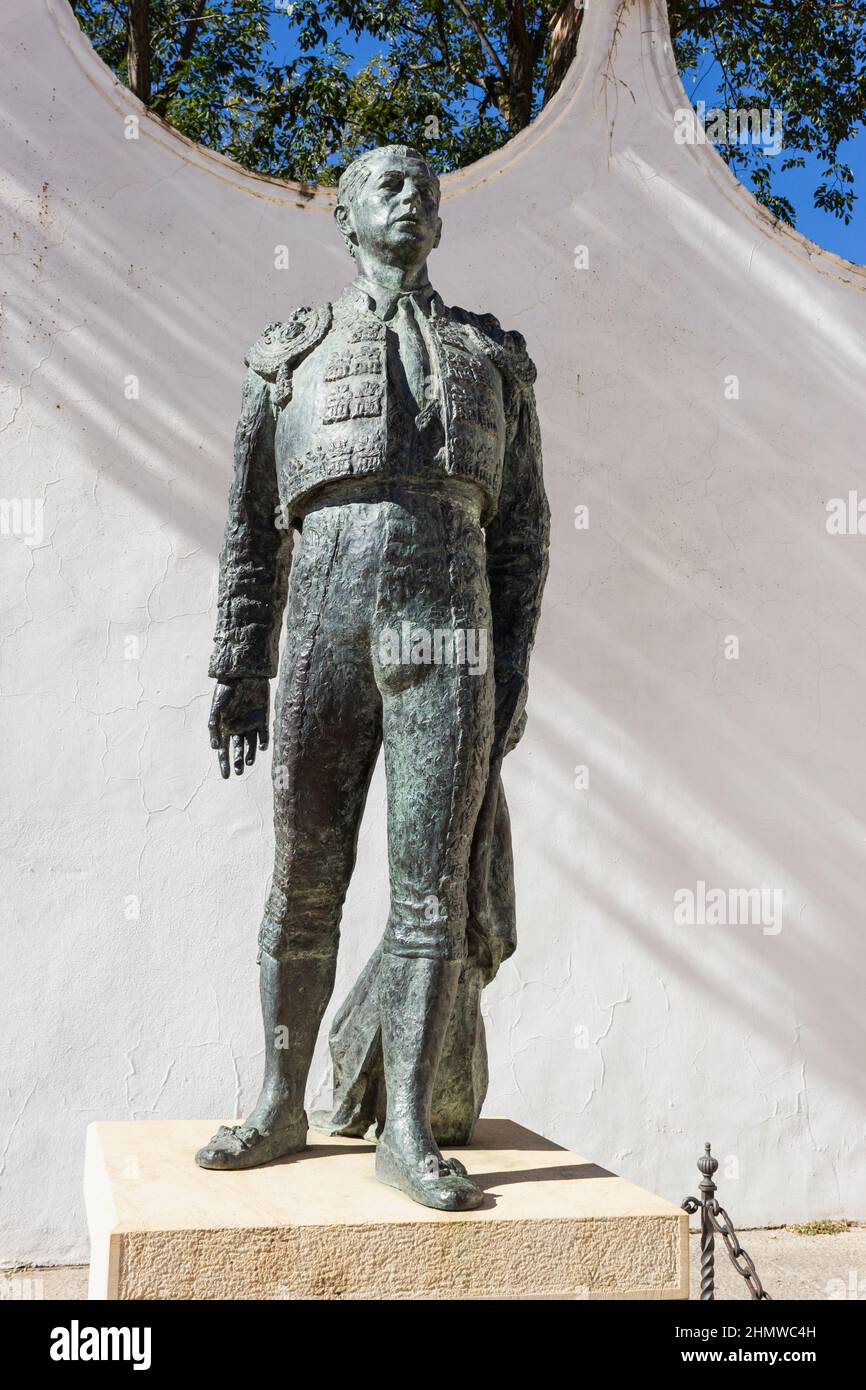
(154,259)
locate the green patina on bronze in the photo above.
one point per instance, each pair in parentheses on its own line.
(398,438)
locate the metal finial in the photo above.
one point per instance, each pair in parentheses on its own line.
(706,1163)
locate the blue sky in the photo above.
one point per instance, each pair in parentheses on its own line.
(797,184)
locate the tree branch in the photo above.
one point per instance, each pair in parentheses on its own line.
(190,33)
(482,39)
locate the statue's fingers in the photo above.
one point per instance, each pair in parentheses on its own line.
(251,749)
(264,737)
(223,757)
(214,731)
(239,753)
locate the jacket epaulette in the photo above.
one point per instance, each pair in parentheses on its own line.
(282,345)
(506,347)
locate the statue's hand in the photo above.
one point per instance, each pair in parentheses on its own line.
(239,712)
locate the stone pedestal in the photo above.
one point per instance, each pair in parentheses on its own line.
(320,1226)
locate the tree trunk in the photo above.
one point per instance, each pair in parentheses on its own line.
(563,45)
(138,48)
(521,68)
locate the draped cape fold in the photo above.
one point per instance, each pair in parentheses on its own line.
(461,1083)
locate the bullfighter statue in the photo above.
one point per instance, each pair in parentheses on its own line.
(398,439)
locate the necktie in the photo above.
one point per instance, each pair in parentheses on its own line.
(413,352)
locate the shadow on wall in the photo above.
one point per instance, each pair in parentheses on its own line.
(99,303)
(708,519)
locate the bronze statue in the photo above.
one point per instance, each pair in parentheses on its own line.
(399,437)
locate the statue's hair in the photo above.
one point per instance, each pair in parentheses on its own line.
(356,174)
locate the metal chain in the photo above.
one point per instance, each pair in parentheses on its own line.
(738,1256)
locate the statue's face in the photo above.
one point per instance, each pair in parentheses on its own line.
(395,215)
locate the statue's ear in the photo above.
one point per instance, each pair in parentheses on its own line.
(344,222)
(438,232)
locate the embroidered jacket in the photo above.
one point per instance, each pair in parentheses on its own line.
(316,409)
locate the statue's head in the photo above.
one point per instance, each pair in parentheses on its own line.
(388,205)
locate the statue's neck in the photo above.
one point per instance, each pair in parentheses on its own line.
(391,277)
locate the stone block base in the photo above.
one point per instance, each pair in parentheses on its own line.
(319,1225)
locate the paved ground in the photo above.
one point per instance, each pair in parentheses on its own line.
(791,1267)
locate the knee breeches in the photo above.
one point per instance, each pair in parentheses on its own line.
(388,644)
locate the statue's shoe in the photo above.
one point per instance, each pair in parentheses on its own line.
(434,1182)
(243,1146)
